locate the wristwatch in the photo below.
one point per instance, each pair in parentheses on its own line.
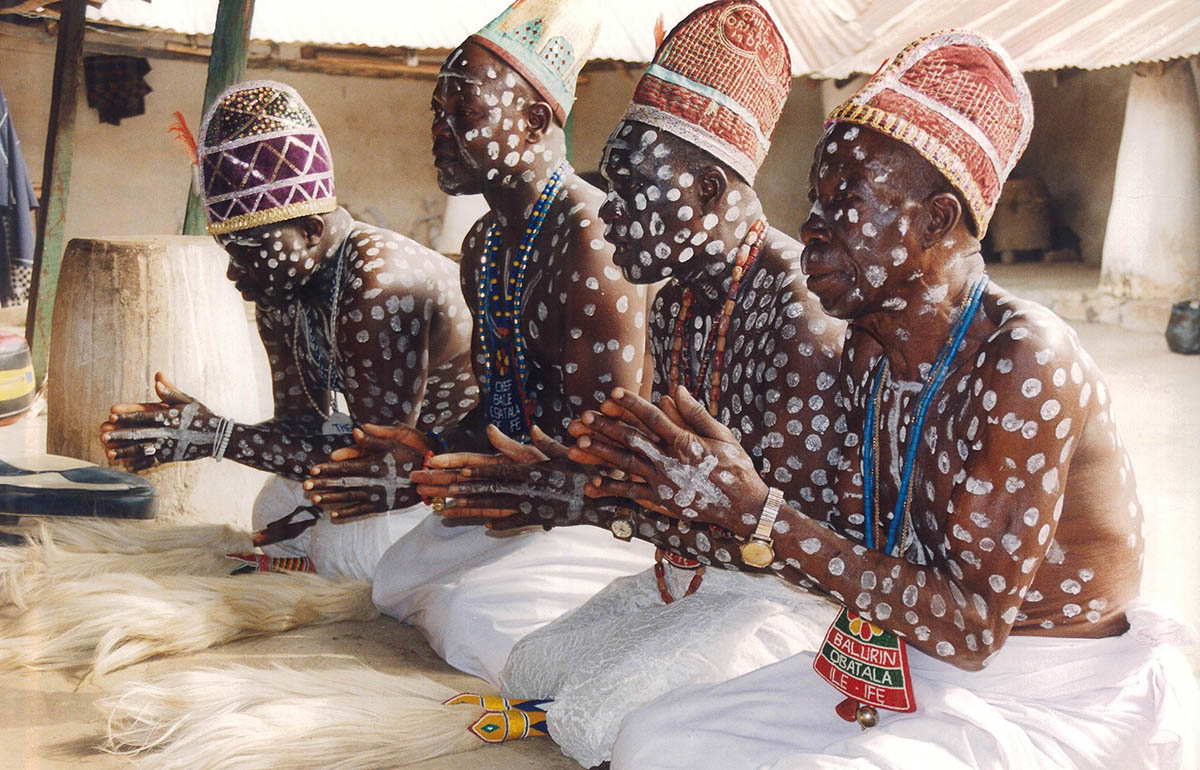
(758,551)
(622,524)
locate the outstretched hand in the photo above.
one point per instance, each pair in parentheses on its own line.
(177,427)
(679,458)
(372,475)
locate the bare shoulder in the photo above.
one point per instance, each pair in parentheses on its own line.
(1030,341)
(393,269)
(585,257)
(584,200)
(1030,377)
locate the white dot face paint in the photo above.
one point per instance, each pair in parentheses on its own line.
(257,259)
(656,215)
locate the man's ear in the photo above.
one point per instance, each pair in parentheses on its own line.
(313,227)
(539,117)
(944,213)
(711,183)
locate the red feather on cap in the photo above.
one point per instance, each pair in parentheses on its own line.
(184,134)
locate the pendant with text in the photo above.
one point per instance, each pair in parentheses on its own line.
(866,663)
(505,402)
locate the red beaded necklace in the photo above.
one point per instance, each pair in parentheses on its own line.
(711,363)
(714,348)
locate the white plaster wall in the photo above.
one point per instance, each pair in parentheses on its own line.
(1076,133)
(132,179)
(1153,241)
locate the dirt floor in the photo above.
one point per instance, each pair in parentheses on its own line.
(47,722)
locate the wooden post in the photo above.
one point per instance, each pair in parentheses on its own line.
(56,182)
(226,66)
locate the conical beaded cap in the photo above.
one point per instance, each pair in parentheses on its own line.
(957,99)
(719,80)
(548,42)
(263,158)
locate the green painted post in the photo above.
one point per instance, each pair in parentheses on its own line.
(226,66)
(56,183)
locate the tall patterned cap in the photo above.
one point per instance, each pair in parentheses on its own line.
(719,80)
(262,158)
(957,99)
(548,42)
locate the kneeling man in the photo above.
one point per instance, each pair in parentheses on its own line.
(343,308)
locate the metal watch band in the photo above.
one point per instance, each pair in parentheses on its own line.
(770,510)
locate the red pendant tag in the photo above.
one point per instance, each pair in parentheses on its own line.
(865,662)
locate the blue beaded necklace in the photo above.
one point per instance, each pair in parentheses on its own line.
(506,366)
(870,461)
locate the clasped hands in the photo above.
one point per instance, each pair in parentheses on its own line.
(379,472)
(673,458)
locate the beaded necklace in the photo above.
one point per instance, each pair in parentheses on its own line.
(714,345)
(312,354)
(870,461)
(710,364)
(500,299)
(871,644)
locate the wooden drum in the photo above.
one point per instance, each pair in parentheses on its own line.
(127,308)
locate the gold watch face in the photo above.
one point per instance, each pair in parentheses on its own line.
(622,529)
(756,553)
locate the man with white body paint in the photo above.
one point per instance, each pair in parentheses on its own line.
(980,525)
(556,326)
(342,308)
(735,323)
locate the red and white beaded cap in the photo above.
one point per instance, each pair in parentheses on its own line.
(262,158)
(957,99)
(719,81)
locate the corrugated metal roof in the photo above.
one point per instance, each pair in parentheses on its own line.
(627,35)
(1038,34)
(828,38)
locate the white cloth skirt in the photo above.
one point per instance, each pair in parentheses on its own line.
(474,593)
(1122,702)
(346,549)
(626,647)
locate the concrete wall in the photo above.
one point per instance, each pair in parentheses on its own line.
(1073,149)
(132,179)
(601,99)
